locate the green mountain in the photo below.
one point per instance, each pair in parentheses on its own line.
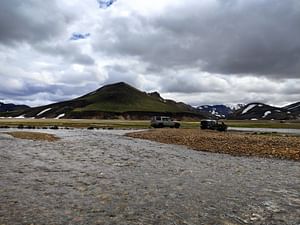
(113,101)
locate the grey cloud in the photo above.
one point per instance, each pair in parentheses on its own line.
(191,82)
(67,51)
(229,37)
(31,21)
(34,93)
(117,73)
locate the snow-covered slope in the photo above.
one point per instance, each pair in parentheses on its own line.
(260,111)
(220,111)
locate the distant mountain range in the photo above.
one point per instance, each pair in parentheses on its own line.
(119,100)
(122,101)
(260,111)
(12,107)
(218,111)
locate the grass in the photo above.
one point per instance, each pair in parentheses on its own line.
(123,98)
(140,124)
(36,136)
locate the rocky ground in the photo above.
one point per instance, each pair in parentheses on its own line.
(103,177)
(233,143)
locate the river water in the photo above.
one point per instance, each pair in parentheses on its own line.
(275,130)
(103,177)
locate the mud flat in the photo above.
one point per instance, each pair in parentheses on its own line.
(103,177)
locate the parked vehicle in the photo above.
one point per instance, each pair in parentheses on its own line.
(213,125)
(164,121)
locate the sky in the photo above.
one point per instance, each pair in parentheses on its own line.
(198,52)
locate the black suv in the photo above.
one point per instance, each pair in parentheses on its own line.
(213,125)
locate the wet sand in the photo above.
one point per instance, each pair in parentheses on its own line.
(103,177)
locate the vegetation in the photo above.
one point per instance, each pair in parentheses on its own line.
(124,98)
(113,101)
(140,124)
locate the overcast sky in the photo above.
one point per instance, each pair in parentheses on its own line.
(198,52)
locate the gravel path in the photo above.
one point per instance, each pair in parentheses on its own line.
(102,177)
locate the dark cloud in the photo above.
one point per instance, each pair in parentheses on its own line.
(228,37)
(31,21)
(199,52)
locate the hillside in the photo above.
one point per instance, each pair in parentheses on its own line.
(118,100)
(293,108)
(218,111)
(260,111)
(12,107)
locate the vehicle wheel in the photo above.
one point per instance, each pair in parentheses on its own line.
(177,125)
(160,125)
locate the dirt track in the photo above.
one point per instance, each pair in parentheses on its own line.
(101,177)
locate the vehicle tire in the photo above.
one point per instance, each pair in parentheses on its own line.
(160,125)
(177,125)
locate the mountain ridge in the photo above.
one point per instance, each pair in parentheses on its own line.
(261,111)
(114,101)
(123,101)
(11,107)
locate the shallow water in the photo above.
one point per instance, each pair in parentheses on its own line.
(275,130)
(102,177)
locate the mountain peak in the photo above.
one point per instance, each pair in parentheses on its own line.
(118,85)
(117,100)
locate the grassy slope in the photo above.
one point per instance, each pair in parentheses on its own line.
(125,98)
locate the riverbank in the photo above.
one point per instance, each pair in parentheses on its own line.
(233,143)
(136,124)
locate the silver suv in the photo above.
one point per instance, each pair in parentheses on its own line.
(164,121)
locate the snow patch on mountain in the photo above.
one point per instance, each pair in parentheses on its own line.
(266,114)
(20,117)
(60,116)
(42,112)
(294,107)
(248,108)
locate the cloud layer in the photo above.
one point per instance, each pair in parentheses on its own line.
(200,52)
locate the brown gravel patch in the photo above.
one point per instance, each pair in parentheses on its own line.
(237,144)
(36,136)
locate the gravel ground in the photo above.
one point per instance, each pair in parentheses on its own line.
(233,143)
(103,177)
